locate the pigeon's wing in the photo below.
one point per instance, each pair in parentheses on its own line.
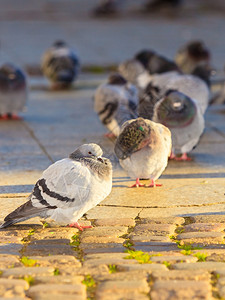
(64,184)
(106,101)
(131,69)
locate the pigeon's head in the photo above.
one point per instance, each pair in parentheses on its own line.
(175,109)
(159,64)
(144,57)
(87,150)
(59,44)
(203,71)
(11,77)
(198,50)
(133,137)
(117,79)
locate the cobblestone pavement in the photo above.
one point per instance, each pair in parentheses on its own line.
(161,244)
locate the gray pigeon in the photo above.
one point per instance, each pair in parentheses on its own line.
(146,61)
(195,86)
(60,65)
(115,102)
(191,55)
(13,91)
(143,147)
(182,115)
(68,188)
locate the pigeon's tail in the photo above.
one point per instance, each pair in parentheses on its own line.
(24,212)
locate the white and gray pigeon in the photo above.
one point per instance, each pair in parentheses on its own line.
(13,91)
(115,102)
(195,86)
(143,148)
(180,113)
(191,55)
(147,61)
(68,188)
(60,64)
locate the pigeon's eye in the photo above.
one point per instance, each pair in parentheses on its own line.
(89,152)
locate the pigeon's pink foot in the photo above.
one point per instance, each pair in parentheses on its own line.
(5,117)
(172,156)
(16,117)
(183,157)
(153,184)
(110,135)
(137,184)
(77,225)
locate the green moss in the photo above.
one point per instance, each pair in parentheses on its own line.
(112,269)
(29,279)
(167,264)
(31,232)
(90,286)
(127,244)
(201,256)
(140,256)
(45,225)
(187,247)
(27,262)
(56,272)
(75,241)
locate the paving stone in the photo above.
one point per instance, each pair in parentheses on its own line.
(220,257)
(101,239)
(129,288)
(95,270)
(101,247)
(181,275)
(174,258)
(108,261)
(8,261)
(209,266)
(221,273)
(137,239)
(50,242)
(51,290)
(157,247)
(105,212)
(105,256)
(171,289)
(105,231)
(57,234)
(11,248)
(11,288)
(57,261)
(41,249)
(209,227)
(115,222)
(32,271)
(202,237)
(167,220)
(60,296)
(216,218)
(154,229)
(59,279)
(142,267)
(138,274)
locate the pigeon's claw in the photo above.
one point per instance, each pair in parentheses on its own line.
(183,157)
(137,184)
(153,184)
(78,226)
(110,135)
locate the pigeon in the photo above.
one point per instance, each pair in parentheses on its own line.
(68,188)
(115,102)
(195,86)
(146,61)
(181,114)
(13,91)
(191,55)
(143,148)
(60,65)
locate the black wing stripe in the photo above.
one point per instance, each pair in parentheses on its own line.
(37,195)
(54,195)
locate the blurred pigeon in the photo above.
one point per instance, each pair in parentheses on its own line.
(13,91)
(68,188)
(192,55)
(182,115)
(60,65)
(143,148)
(146,61)
(194,86)
(115,102)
